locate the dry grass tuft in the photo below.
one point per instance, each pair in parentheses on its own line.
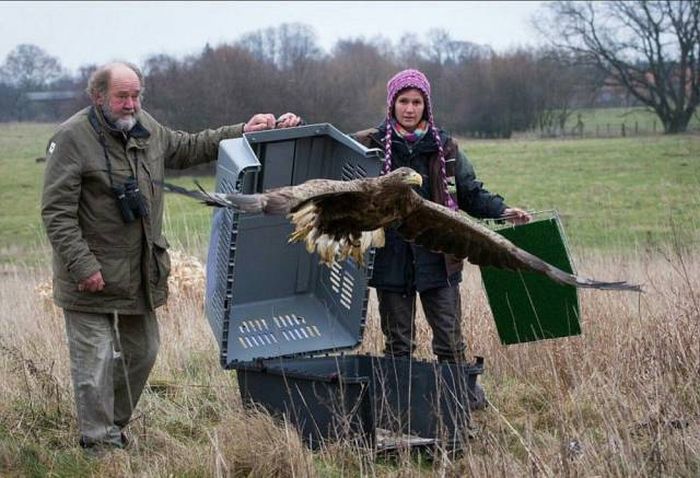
(253,444)
(187,280)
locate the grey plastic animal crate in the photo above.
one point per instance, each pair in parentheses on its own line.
(274,309)
(268,298)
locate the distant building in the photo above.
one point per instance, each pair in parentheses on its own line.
(52,95)
(614,94)
(52,105)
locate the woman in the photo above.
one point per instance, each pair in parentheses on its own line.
(409,137)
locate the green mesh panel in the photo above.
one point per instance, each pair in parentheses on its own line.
(528,306)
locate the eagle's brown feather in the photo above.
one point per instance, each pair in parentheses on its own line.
(341,219)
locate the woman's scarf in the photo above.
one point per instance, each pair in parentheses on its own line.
(410,136)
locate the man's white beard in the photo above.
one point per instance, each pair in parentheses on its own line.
(123,124)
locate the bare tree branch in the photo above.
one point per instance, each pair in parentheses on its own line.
(651,48)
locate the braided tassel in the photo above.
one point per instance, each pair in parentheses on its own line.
(387,147)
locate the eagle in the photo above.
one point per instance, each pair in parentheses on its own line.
(341,219)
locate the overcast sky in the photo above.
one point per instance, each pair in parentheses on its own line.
(80,33)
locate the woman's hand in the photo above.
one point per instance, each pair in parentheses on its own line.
(515,215)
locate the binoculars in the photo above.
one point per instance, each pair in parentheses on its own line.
(130,201)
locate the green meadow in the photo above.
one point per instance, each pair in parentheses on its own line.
(612,194)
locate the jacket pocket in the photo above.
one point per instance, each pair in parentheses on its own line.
(116,272)
(160,270)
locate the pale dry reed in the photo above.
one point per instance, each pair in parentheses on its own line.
(622,399)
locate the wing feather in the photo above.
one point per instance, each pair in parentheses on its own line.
(290,198)
(280,201)
(441,229)
(210,199)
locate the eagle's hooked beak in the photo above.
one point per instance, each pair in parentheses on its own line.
(414,179)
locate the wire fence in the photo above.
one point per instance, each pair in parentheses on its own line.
(620,129)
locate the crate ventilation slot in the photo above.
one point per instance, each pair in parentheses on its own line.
(352,171)
(291,327)
(342,283)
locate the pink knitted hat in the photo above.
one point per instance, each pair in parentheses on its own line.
(403,80)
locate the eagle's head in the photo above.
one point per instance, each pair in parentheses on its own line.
(406,176)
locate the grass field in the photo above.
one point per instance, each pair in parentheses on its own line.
(623,399)
(616,194)
(20,188)
(612,194)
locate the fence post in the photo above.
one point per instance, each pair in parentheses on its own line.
(608,125)
(636,128)
(654,126)
(622,130)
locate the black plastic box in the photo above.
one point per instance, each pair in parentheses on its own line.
(349,397)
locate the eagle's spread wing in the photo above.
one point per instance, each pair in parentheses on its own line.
(341,219)
(441,229)
(280,201)
(333,218)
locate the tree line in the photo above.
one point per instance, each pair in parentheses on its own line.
(476,91)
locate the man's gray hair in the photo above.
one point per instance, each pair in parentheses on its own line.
(98,83)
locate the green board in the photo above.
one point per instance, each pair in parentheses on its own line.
(528,306)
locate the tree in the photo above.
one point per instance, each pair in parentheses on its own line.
(354,97)
(444,50)
(30,67)
(651,48)
(8,98)
(26,68)
(557,79)
(286,45)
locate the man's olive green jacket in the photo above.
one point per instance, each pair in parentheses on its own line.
(82,218)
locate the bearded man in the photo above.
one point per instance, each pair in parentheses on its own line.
(103,217)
